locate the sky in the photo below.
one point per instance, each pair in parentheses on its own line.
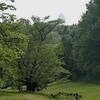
(71,9)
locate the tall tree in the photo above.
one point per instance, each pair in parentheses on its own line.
(87,45)
(67,34)
(40,63)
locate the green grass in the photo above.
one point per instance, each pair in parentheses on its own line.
(88,92)
(16,95)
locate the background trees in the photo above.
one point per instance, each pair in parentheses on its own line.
(81,44)
(86,45)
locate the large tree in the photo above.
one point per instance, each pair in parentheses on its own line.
(40,63)
(87,45)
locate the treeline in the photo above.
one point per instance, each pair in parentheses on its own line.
(42,51)
(82,45)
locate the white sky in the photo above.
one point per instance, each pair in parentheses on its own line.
(71,9)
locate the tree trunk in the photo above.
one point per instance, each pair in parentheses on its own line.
(31,86)
(20,86)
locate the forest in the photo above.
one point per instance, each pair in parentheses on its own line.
(42,51)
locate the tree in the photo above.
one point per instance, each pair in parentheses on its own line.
(87,45)
(12,44)
(40,64)
(67,34)
(4,15)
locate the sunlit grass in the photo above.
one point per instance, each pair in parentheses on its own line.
(88,92)
(16,95)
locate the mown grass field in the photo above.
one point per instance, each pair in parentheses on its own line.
(88,92)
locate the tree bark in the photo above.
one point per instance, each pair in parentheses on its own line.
(20,86)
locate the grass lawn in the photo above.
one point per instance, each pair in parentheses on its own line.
(88,92)
(16,95)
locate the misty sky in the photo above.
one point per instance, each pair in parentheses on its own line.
(71,9)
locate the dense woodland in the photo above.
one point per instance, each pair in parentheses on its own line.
(35,53)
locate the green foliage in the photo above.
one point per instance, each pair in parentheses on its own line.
(40,63)
(87,43)
(67,37)
(12,44)
(4,15)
